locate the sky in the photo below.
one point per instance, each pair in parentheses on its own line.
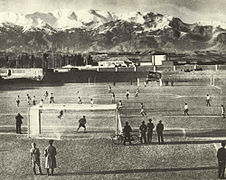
(189,11)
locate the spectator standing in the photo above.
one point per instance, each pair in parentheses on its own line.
(143,131)
(221,157)
(35,158)
(150,127)
(18,123)
(159,129)
(50,161)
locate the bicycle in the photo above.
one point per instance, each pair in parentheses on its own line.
(119,139)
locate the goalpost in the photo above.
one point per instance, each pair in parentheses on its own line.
(44,120)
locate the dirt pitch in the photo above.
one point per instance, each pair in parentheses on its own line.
(189,152)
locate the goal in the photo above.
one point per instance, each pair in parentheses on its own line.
(45,120)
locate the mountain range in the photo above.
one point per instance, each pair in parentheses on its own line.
(94,30)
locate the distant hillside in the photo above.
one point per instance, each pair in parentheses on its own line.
(93,30)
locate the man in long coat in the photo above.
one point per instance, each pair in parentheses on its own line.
(159,129)
(18,123)
(50,153)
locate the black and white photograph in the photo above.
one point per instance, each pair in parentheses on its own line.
(112,89)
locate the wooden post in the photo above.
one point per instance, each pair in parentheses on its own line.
(117,121)
(39,118)
(160,82)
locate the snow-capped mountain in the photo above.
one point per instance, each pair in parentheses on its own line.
(67,19)
(95,30)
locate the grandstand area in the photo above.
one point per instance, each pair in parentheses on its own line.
(190,145)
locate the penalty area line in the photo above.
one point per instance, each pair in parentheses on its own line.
(189,116)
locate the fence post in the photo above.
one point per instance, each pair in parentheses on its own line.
(160,82)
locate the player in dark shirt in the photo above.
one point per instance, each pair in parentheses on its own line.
(82,123)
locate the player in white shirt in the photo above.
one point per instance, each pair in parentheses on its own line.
(207,100)
(113,97)
(186,109)
(18,101)
(91,102)
(41,103)
(142,112)
(222,111)
(137,92)
(109,89)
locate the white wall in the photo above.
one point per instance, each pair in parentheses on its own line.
(158,59)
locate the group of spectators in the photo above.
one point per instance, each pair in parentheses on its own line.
(50,159)
(146,132)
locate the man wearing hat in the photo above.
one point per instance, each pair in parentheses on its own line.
(150,127)
(143,130)
(159,129)
(50,153)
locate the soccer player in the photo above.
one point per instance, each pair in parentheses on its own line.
(28,99)
(127,94)
(79,100)
(127,130)
(113,97)
(41,103)
(61,114)
(34,100)
(222,111)
(18,101)
(142,112)
(50,153)
(91,102)
(137,92)
(109,89)
(35,158)
(18,123)
(150,127)
(186,109)
(221,156)
(159,129)
(46,95)
(143,130)
(51,99)
(207,100)
(82,123)
(120,105)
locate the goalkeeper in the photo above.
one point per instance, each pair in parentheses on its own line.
(82,123)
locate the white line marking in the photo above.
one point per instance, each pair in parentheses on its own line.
(191,116)
(211,138)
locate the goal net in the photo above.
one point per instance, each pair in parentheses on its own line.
(62,120)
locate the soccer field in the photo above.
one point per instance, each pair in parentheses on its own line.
(189,152)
